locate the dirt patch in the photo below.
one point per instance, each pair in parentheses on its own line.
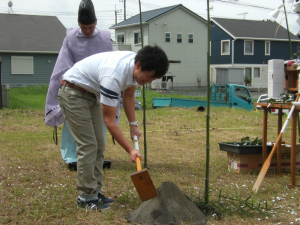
(171,206)
(174,133)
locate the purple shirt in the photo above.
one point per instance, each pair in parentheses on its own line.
(75,48)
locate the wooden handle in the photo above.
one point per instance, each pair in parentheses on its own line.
(266,166)
(138,160)
(138,164)
(267,163)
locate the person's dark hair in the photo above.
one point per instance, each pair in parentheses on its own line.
(153,58)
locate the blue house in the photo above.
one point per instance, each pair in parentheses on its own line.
(248,45)
(29,46)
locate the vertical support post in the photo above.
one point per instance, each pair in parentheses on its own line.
(298,120)
(144,96)
(279,127)
(208,107)
(265,128)
(293,149)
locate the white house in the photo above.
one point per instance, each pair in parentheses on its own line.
(181,33)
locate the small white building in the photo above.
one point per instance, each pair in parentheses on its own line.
(181,33)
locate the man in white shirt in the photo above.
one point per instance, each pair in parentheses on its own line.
(104,75)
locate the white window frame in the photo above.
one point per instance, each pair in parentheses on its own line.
(22,65)
(269,44)
(190,38)
(180,38)
(252,53)
(167,37)
(121,34)
(222,52)
(139,37)
(254,72)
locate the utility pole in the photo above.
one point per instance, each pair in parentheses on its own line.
(116,14)
(124,8)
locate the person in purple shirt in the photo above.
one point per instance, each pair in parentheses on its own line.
(78,44)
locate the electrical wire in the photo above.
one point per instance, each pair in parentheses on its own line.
(73,15)
(243,4)
(144,4)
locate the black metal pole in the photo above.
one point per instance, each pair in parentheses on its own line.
(208,107)
(144,96)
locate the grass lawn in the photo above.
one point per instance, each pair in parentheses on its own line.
(37,188)
(35,97)
(28,97)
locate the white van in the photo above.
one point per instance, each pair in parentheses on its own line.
(264,99)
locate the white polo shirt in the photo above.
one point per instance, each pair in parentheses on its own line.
(107,73)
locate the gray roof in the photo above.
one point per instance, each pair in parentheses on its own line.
(150,15)
(30,33)
(254,29)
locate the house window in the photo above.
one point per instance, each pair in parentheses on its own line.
(248,75)
(248,47)
(179,37)
(137,38)
(120,39)
(168,37)
(22,65)
(267,48)
(256,73)
(225,47)
(191,38)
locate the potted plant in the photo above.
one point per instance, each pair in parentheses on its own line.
(245,146)
(285,99)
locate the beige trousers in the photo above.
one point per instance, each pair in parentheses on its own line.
(83,115)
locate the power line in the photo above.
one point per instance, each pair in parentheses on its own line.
(144,4)
(73,15)
(66,13)
(56,12)
(244,4)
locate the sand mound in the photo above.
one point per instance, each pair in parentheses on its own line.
(171,206)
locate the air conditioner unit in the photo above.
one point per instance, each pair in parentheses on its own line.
(164,85)
(156,85)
